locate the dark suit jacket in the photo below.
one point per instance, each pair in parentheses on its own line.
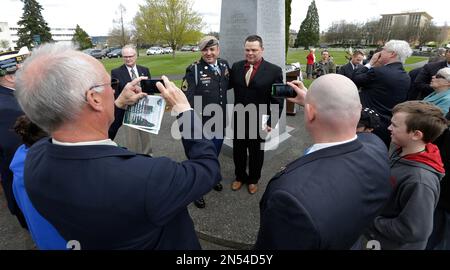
(443,142)
(413,93)
(347,70)
(121,73)
(116,199)
(422,82)
(259,90)
(383,87)
(325,200)
(9,141)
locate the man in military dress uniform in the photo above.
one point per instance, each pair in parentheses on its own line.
(206,82)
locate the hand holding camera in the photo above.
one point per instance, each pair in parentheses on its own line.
(283,90)
(130,94)
(173,95)
(149,86)
(300,91)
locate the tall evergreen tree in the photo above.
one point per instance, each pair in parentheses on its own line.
(32,23)
(309,32)
(288,10)
(82,38)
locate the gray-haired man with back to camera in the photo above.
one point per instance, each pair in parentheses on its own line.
(384,83)
(112,198)
(327,197)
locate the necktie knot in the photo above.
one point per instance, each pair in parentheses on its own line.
(133,74)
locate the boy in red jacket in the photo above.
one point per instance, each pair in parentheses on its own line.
(416,169)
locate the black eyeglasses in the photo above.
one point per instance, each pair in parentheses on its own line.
(114,84)
(439,76)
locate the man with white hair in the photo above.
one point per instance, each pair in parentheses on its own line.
(134,139)
(324,199)
(88,188)
(384,83)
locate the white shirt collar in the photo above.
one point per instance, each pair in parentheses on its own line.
(320,146)
(101,142)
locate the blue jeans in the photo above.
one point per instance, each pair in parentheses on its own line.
(440,237)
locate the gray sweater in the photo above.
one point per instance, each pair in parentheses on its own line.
(406,222)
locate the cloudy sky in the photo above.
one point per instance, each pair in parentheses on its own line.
(96,16)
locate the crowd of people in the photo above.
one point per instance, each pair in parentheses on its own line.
(385,156)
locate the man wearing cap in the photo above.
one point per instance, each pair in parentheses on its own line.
(206,82)
(9,140)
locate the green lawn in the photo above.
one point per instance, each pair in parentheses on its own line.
(167,65)
(159,64)
(415,59)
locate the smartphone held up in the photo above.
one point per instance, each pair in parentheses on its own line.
(283,90)
(149,86)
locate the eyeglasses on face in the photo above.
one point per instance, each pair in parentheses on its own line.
(114,84)
(128,56)
(439,76)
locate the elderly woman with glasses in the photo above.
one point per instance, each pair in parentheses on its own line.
(441,85)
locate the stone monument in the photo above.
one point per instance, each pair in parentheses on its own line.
(266,18)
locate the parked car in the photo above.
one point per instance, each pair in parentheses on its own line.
(96,54)
(87,51)
(108,50)
(154,51)
(115,53)
(167,50)
(195,49)
(186,49)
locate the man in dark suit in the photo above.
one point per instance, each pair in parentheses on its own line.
(326,198)
(384,83)
(206,83)
(88,188)
(355,62)
(422,81)
(9,140)
(134,139)
(252,81)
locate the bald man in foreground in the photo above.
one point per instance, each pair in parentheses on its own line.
(324,199)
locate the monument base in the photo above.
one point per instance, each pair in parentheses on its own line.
(272,148)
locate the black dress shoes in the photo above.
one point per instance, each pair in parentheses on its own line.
(200,203)
(218,187)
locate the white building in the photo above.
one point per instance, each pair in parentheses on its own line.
(414,20)
(5,36)
(58,34)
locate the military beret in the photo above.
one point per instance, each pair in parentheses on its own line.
(207,41)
